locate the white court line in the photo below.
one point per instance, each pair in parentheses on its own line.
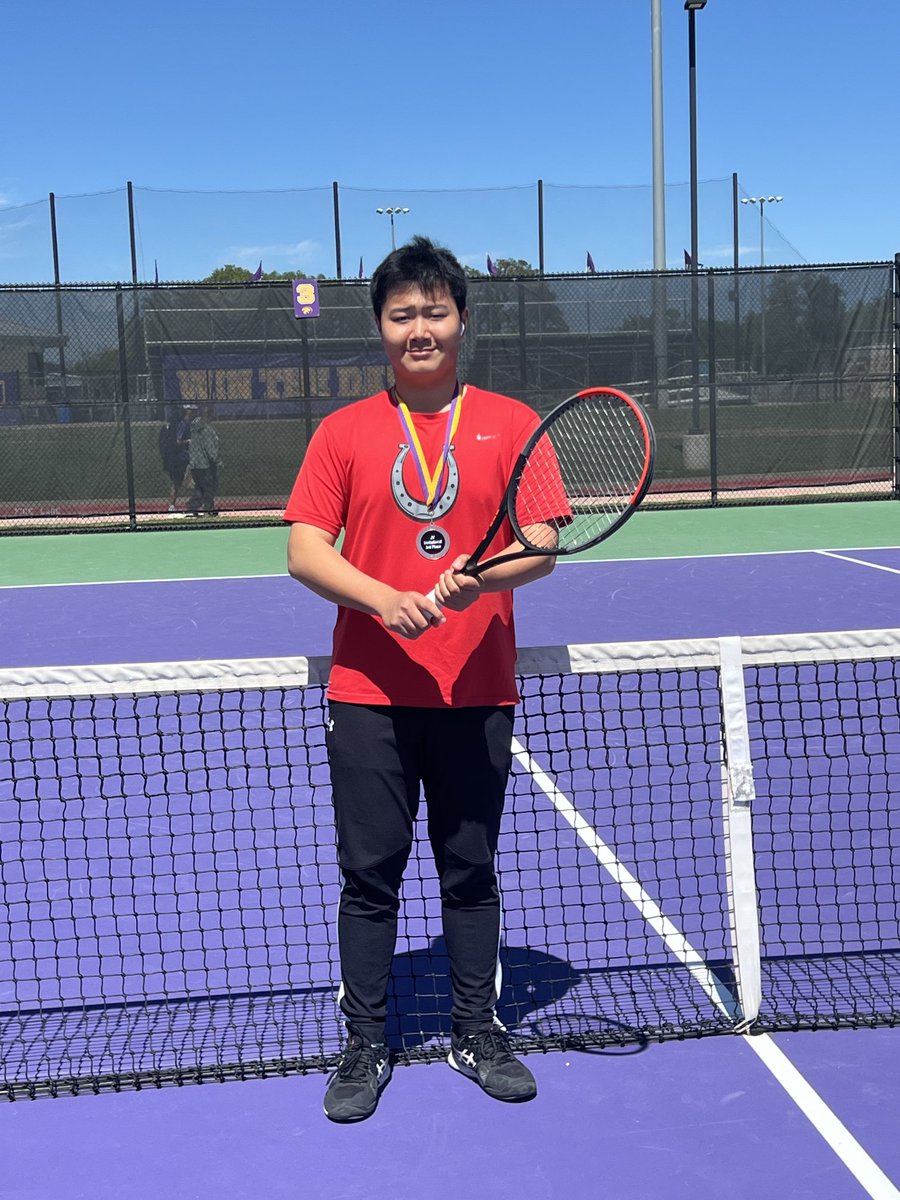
(562,562)
(860,562)
(22,587)
(860,1164)
(582,562)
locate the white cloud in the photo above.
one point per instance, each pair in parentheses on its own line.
(273,251)
(10,231)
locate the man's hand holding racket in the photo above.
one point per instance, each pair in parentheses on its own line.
(456,590)
(410,614)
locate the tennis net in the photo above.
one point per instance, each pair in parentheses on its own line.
(700,837)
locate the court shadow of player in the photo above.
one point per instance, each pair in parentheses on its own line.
(419,1000)
(546,1002)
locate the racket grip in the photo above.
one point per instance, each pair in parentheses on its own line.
(432,596)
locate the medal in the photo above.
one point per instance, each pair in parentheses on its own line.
(432,542)
(439,486)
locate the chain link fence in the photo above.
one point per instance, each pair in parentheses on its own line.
(763,385)
(149,234)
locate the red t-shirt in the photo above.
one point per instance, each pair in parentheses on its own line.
(359,475)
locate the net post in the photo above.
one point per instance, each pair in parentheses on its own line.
(738,793)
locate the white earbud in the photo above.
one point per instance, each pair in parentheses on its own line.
(462,328)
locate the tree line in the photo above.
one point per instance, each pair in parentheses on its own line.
(508,268)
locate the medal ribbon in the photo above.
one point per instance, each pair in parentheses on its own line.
(430,480)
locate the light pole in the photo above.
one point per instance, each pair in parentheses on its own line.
(392,212)
(762,201)
(692,7)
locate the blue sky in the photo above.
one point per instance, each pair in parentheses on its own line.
(232,120)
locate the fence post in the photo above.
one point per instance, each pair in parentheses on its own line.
(737,268)
(63,414)
(305,380)
(540,200)
(131,233)
(711,384)
(337,228)
(126,408)
(523,338)
(897,376)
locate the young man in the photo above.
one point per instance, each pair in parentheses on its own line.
(421,693)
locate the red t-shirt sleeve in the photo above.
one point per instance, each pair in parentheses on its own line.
(319,495)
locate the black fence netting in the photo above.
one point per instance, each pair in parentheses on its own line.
(762,385)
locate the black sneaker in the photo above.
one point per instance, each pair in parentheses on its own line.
(487,1058)
(362,1071)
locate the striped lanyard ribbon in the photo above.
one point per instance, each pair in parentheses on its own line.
(431,480)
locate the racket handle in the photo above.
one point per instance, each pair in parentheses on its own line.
(432,596)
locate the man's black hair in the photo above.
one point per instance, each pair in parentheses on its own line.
(419,264)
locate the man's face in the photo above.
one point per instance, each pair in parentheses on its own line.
(421,336)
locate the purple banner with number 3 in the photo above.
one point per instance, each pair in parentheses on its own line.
(306,297)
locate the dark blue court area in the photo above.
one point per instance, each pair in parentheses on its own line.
(772,1116)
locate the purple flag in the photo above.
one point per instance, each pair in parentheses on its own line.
(362,273)
(257,274)
(590,264)
(155,274)
(492,270)
(688,262)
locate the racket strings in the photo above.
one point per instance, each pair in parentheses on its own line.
(582,475)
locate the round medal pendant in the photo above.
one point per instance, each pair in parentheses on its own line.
(432,542)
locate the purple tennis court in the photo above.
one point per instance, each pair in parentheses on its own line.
(180,928)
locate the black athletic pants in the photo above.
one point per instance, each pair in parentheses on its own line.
(379,756)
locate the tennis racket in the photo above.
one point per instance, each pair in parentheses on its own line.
(580,476)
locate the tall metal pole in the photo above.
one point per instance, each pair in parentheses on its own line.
(692,75)
(659,174)
(762,289)
(696,424)
(736,285)
(660,333)
(762,201)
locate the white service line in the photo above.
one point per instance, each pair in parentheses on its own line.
(860,562)
(11,587)
(860,1164)
(588,560)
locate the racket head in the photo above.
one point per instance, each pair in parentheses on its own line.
(583,472)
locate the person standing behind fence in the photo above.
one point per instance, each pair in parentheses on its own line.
(204,462)
(174,450)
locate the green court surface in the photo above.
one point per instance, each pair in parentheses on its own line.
(203,554)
